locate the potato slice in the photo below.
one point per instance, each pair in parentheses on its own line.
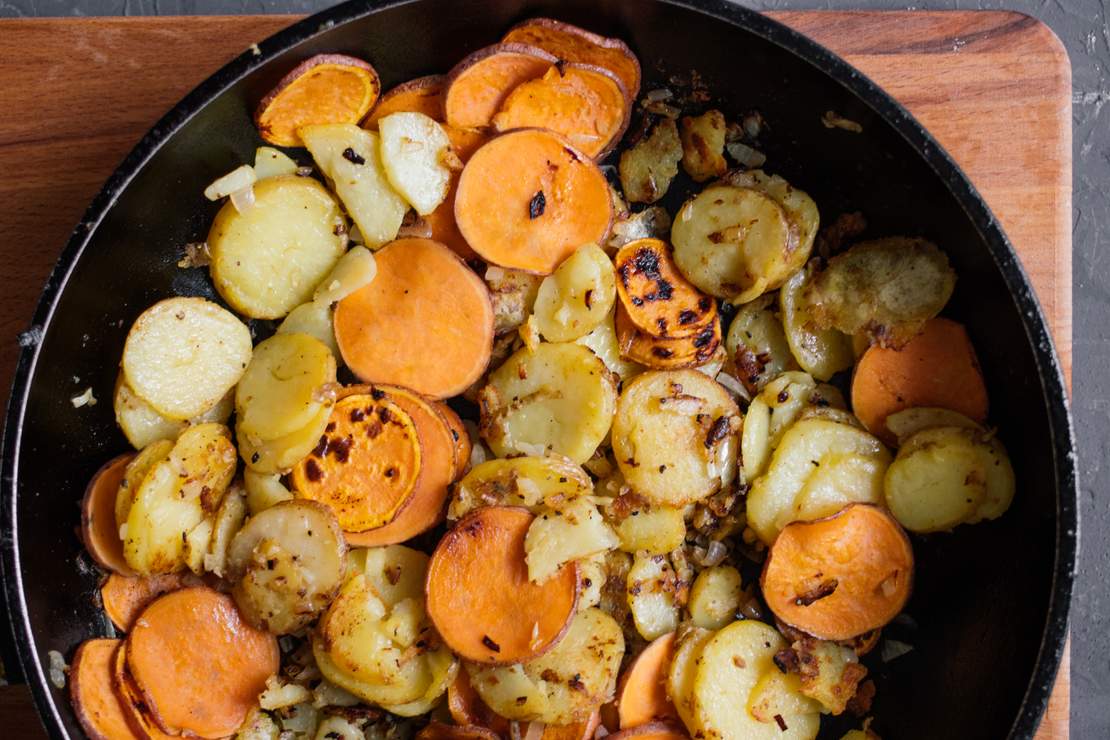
(134,475)
(651,596)
(703,145)
(781,403)
(820,352)
(800,209)
(675,436)
(577,297)
(818,468)
(354,270)
(655,530)
(757,344)
(395,572)
(778,694)
(279,455)
(270,258)
(349,156)
(683,670)
(575,531)
(270,162)
(287,564)
(444,668)
(532,482)
(715,597)
(730,669)
(226,524)
(414,152)
(904,424)
(284,385)
(315,319)
(263,490)
(563,686)
(559,398)
(175,496)
(648,167)
(513,295)
(603,341)
(142,424)
(183,355)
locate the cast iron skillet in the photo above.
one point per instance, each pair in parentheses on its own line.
(991,601)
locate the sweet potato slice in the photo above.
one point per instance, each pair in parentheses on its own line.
(937,368)
(441,221)
(422,95)
(467,708)
(131,699)
(586,104)
(367,465)
(437,468)
(642,691)
(98,516)
(125,597)
(441,731)
(527,200)
(479,84)
(574,44)
(96,705)
(199,665)
(425,323)
(480,598)
(841,576)
(583,730)
(326,88)
(665,354)
(653,731)
(656,296)
(460,437)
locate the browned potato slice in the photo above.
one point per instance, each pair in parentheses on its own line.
(703,145)
(647,168)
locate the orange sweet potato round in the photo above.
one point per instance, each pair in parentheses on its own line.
(198,664)
(527,200)
(442,731)
(841,576)
(424,323)
(125,597)
(460,437)
(422,95)
(653,731)
(132,701)
(96,705)
(464,142)
(642,691)
(327,88)
(665,354)
(655,295)
(98,516)
(938,367)
(583,730)
(479,84)
(368,464)
(574,44)
(585,104)
(480,598)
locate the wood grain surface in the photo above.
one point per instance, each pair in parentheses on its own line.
(76,95)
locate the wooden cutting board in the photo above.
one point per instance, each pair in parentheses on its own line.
(77,94)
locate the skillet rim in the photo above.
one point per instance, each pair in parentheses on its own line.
(1053,388)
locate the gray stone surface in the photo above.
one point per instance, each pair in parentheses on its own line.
(1082,25)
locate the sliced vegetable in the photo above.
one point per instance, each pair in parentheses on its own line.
(820,352)
(531,482)
(354,270)
(715,597)
(422,95)
(467,708)
(577,297)
(656,530)
(314,319)
(603,341)
(279,455)
(270,162)
(99,530)
(440,731)
(96,705)
(666,354)
(652,598)
(264,491)
(656,297)
(908,422)
(652,731)
(758,345)
(479,84)
(460,437)
(642,694)
(414,150)
(143,425)
(703,145)
(125,597)
(573,532)
(132,701)
(481,599)
(284,385)
(683,670)
(648,166)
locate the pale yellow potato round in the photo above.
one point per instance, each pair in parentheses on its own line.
(800,210)
(135,473)
(264,490)
(757,344)
(730,666)
(907,422)
(444,667)
(532,482)
(577,530)
(676,436)
(683,669)
(286,564)
(284,385)
(414,149)
(183,355)
(578,296)
(732,242)
(270,258)
(715,597)
(603,341)
(227,523)
(772,412)
(1001,484)
(780,694)
(142,425)
(820,352)
(755,439)
(356,269)
(800,467)
(395,572)
(280,454)
(314,319)
(655,530)
(651,591)
(564,685)
(271,162)
(557,398)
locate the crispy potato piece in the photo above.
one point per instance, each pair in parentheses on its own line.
(886,288)
(287,564)
(703,145)
(586,104)
(96,705)
(481,599)
(936,368)
(641,692)
(513,296)
(558,398)
(573,532)
(228,521)
(658,300)
(219,663)
(800,209)
(651,596)
(778,694)
(99,530)
(820,352)
(143,425)
(675,436)
(683,670)
(577,297)
(603,341)
(414,151)
(283,387)
(183,355)
(655,530)
(573,44)
(648,166)
(422,289)
(394,572)
(479,84)
(444,668)
(757,344)
(279,455)
(666,354)
(715,597)
(549,200)
(421,95)
(326,88)
(264,490)
(367,467)
(350,158)
(267,260)
(531,482)
(830,673)
(842,576)
(818,468)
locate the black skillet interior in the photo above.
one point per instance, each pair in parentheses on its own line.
(990,601)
